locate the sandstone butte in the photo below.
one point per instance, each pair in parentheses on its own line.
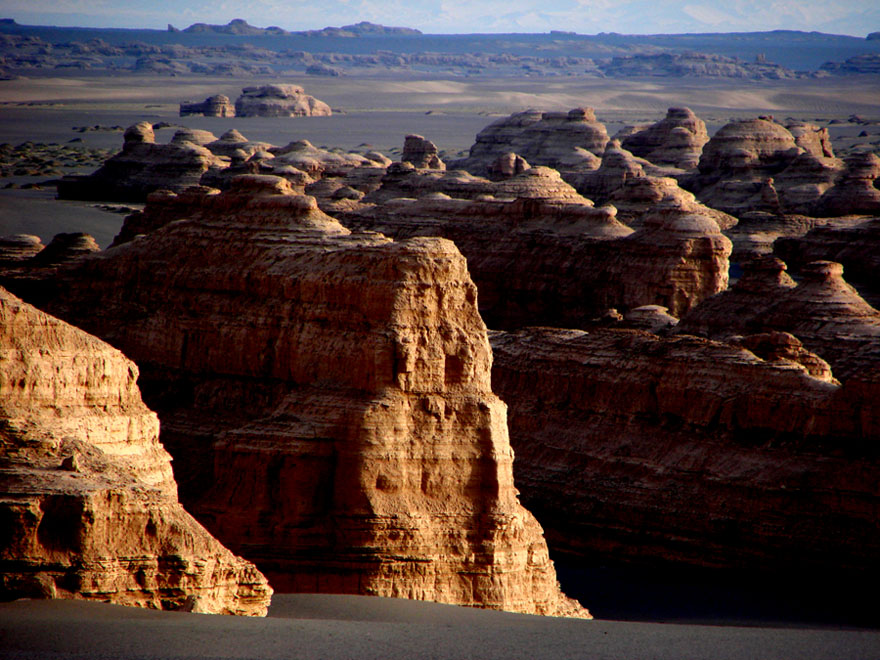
(88,503)
(649,449)
(540,253)
(326,397)
(279,101)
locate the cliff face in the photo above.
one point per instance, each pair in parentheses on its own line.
(823,311)
(326,399)
(541,253)
(636,447)
(89,505)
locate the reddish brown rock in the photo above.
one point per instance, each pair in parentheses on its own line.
(541,138)
(635,447)
(141,168)
(326,398)
(89,504)
(317,162)
(18,248)
(856,247)
(675,140)
(823,311)
(855,191)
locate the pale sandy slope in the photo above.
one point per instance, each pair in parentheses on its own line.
(361,627)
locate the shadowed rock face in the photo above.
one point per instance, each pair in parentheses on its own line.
(326,396)
(18,248)
(823,311)
(421,153)
(675,140)
(89,504)
(143,167)
(279,101)
(857,248)
(635,447)
(218,105)
(541,253)
(541,138)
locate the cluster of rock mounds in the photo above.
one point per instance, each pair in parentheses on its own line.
(264,101)
(89,507)
(376,462)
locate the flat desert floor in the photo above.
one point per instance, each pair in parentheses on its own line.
(361,627)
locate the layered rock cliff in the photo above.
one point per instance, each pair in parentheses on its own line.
(675,140)
(632,447)
(326,397)
(88,502)
(541,253)
(279,101)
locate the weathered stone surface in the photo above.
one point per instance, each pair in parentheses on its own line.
(823,311)
(317,162)
(232,141)
(327,399)
(675,140)
(89,504)
(421,153)
(65,248)
(142,167)
(506,166)
(218,105)
(542,138)
(279,101)
(17,248)
(856,190)
(634,447)
(857,248)
(541,253)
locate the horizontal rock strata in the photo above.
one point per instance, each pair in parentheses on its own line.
(88,503)
(279,101)
(632,447)
(326,398)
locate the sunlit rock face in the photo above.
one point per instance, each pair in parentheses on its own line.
(88,502)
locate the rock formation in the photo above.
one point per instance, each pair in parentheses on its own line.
(541,138)
(318,162)
(327,400)
(421,153)
(634,447)
(142,167)
(213,106)
(279,101)
(89,504)
(675,140)
(857,248)
(856,191)
(232,142)
(541,253)
(823,311)
(18,248)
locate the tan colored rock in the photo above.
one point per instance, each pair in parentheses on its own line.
(218,105)
(279,101)
(541,138)
(541,253)
(317,162)
(89,503)
(327,399)
(141,168)
(507,165)
(65,248)
(17,248)
(635,447)
(675,140)
(822,311)
(856,190)
(232,141)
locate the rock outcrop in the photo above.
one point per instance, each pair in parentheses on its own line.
(142,167)
(634,447)
(675,140)
(541,253)
(279,101)
(218,105)
(857,248)
(823,311)
(18,248)
(421,153)
(327,400)
(89,504)
(541,138)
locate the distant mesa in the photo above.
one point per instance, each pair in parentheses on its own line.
(279,101)
(239,26)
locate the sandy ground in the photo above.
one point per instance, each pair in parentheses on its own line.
(321,626)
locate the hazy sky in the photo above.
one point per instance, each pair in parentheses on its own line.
(855,17)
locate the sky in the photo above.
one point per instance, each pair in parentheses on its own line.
(854,17)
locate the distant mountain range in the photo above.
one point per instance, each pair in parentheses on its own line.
(239,26)
(239,48)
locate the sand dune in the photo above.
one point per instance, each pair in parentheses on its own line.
(311,626)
